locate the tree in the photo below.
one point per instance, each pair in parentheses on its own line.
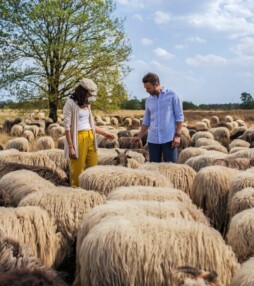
(245,97)
(47,46)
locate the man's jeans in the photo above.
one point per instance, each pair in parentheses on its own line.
(165,151)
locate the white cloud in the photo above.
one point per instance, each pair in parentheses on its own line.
(244,47)
(210,59)
(180,46)
(161,17)
(138,17)
(146,41)
(196,40)
(131,3)
(163,54)
(226,16)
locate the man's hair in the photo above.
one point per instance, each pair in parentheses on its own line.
(151,77)
(80,96)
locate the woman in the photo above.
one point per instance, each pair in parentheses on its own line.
(80,144)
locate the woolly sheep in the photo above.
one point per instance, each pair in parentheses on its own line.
(241,201)
(210,191)
(207,122)
(245,275)
(28,134)
(60,142)
(241,122)
(8,123)
(245,153)
(180,175)
(13,255)
(214,120)
(228,118)
(204,160)
(201,126)
(19,184)
(201,134)
(104,178)
(237,132)
(216,147)
(27,158)
(124,133)
(41,131)
(108,254)
(57,132)
(50,126)
(114,121)
(235,163)
(188,153)
(106,119)
(236,149)
(66,205)
(106,143)
(220,134)
(206,142)
(147,193)
(228,125)
(33,128)
(248,135)
(242,180)
(125,143)
(240,234)
(127,122)
(16,130)
(239,143)
(20,144)
(34,227)
(45,142)
(5,199)
(135,123)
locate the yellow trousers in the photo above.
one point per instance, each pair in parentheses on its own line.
(88,156)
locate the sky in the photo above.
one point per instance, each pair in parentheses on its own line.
(201,49)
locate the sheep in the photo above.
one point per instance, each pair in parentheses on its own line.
(241,122)
(57,132)
(204,160)
(106,119)
(245,153)
(214,120)
(41,131)
(201,277)
(239,143)
(45,142)
(240,234)
(32,158)
(108,254)
(228,125)
(207,122)
(66,205)
(106,143)
(16,130)
(15,256)
(19,184)
(201,126)
(34,227)
(61,142)
(147,193)
(245,275)
(56,176)
(33,128)
(206,142)
(210,191)
(127,122)
(5,199)
(31,278)
(20,144)
(237,132)
(235,163)
(28,134)
(221,134)
(236,149)
(216,147)
(114,121)
(242,180)
(125,143)
(104,178)
(188,153)
(180,175)
(228,118)
(201,134)
(135,123)
(248,135)
(241,201)
(124,133)
(8,123)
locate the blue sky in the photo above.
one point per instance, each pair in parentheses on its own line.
(201,49)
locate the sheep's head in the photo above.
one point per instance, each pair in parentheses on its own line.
(210,278)
(121,158)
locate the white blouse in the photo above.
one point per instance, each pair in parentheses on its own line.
(83,119)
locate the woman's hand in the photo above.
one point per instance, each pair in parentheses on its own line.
(72,153)
(109,136)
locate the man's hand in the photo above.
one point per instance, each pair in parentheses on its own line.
(134,139)
(176,141)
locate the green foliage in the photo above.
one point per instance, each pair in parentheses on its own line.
(246,97)
(188,105)
(48,46)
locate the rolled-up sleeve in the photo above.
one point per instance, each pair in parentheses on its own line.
(178,109)
(146,117)
(67,113)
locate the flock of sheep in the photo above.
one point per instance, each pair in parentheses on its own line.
(130,222)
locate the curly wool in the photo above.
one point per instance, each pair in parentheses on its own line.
(188,153)
(240,234)
(20,144)
(210,191)
(241,201)
(239,143)
(145,250)
(147,193)
(201,134)
(34,227)
(66,205)
(45,142)
(180,175)
(19,184)
(245,275)
(106,178)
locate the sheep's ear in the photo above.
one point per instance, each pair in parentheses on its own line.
(129,157)
(117,151)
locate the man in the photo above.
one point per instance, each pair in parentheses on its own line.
(163,119)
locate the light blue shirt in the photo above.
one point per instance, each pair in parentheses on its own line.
(161,114)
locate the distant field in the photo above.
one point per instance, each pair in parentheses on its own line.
(191,116)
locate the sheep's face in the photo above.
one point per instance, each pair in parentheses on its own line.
(121,159)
